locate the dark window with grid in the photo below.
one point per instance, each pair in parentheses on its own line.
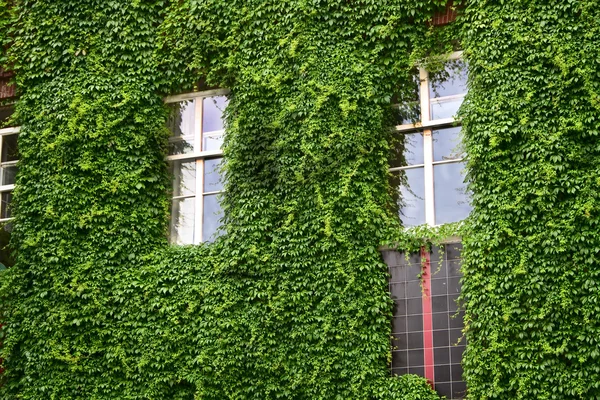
(427,322)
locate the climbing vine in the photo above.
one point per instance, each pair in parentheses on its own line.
(292,302)
(531,266)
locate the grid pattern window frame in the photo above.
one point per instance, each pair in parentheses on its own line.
(194,157)
(433,164)
(427,322)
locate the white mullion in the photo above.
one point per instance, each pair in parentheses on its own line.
(429,193)
(199,201)
(427,147)
(455,55)
(10,131)
(444,99)
(187,196)
(194,95)
(396,169)
(198,125)
(215,192)
(454,160)
(424,89)
(195,156)
(199,173)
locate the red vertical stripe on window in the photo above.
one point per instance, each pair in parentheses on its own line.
(427,317)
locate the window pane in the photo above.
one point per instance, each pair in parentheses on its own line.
(8,175)
(5,199)
(451,199)
(212,175)
(212,142)
(447,108)
(212,218)
(413,148)
(181,123)
(182,119)
(409,106)
(212,117)
(184,178)
(451,81)
(408,113)
(181,145)
(446,144)
(10,150)
(413,211)
(182,221)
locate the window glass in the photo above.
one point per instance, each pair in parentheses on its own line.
(447,144)
(182,118)
(212,117)
(182,220)
(212,175)
(447,108)
(408,111)
(427,319)
(9,174)
(412,212)
(447,89)
(181,146)
(196,126)
(212,142)
(413,148)
(451,81)
(451,199)
(181,123)
(430,146)
(212,218)
(184,178)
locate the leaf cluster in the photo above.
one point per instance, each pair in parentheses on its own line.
(531,266)
(292,302)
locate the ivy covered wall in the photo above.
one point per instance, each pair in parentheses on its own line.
(292,301)
(531,261)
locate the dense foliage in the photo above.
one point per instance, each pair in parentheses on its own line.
(532,267)
(292,302)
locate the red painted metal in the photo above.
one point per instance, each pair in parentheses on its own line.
(427,316)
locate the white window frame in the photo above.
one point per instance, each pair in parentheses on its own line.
(7,188)
(427,126)
(198,155)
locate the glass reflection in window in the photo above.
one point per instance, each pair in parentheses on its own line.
(181,123)
(182,220)
(412,212)
(447,144)
(447,89)
(450,194)
(213,213)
